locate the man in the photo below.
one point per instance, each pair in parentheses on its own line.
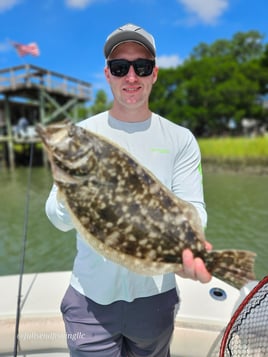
(116,312)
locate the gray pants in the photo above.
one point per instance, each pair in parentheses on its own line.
(143,327)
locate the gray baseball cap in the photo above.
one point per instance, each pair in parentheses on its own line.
(129,33)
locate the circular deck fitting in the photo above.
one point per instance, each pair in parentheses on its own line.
(218,294)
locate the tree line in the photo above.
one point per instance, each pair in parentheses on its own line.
(214,89)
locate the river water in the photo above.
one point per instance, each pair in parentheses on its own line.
(237,206)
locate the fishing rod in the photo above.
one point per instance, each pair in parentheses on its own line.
(23,252)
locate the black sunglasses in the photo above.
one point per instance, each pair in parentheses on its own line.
(120,67)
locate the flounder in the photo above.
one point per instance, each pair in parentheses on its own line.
(125,213)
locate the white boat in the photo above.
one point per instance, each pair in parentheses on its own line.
(203,314)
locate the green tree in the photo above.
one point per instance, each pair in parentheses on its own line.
(100,104)
(219,82)
(264,75)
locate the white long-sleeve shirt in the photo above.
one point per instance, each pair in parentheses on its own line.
(172,154)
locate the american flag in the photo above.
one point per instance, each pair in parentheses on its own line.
(30,49)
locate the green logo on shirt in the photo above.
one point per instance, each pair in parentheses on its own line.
(200,169)
(160,150)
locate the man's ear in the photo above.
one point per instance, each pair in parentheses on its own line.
(155,74)
(107,73)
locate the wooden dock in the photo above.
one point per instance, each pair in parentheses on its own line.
(40,96)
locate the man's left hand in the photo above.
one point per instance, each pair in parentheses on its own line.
(194,268)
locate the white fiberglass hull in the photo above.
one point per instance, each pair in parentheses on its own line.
(203,314)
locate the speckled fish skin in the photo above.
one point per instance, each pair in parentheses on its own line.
(125,213)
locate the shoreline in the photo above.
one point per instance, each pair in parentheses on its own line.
(235,166)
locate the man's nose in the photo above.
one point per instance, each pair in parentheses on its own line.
(131,75)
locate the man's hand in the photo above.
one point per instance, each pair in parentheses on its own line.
(194,268)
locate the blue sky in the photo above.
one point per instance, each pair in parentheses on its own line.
(71,33)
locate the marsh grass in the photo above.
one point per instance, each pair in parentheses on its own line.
(235,147)
(236,153)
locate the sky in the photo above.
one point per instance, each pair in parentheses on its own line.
(71,33)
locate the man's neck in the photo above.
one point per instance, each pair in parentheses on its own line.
(132,116)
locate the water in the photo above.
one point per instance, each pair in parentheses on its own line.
(48,249)
(236,204)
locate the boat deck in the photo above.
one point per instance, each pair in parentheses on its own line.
(204,311)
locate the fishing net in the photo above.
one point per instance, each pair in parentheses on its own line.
(247,332)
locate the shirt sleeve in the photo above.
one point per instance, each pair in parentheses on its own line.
(57,213)
(187,181)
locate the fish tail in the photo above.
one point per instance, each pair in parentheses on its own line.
(235,267)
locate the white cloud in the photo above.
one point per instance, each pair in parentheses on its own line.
(171,61)
(79,4)
(207,11)
(6,5)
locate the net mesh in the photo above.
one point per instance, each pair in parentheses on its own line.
(247,333)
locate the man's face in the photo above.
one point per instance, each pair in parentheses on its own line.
(131,91)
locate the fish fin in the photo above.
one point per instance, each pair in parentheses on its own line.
(235,267)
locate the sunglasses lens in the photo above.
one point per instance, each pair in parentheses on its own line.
(120,67)
(143,67)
